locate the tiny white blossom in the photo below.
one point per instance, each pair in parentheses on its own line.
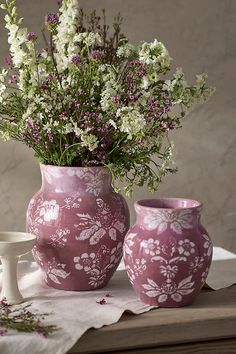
(89,140)
(3,75)
(110,91)
(89,38)
(126,50)
(131,121)
(68,128)
(156,54)
(111,121)
(106,99)
(78,131)
(169,85)
(178,74)
(145,82)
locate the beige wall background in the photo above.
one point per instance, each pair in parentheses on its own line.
(200,36)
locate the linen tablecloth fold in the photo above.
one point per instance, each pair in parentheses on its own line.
(73,312)
(76,312)
(223,269)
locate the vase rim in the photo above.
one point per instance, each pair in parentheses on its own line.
(168,204)
(90,167)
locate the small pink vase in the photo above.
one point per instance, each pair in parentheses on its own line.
(80,224)
(167,253)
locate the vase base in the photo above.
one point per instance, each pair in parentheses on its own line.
(167,304)
(73,287)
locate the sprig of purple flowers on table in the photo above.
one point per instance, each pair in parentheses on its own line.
(21,319)
(90,98)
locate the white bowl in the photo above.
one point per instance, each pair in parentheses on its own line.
(16,243)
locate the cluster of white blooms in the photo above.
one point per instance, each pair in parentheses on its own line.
(65,39)
(89,140)
(68,128)
(30,111)
(77,130)
(88,38)
(16,38)
(3,75)
(149,79)
(200,84)
(155,54)
(126,50)
(131,121)
(28,83)
(23,54)
(179,74)
(111,89)
(107,103)
(176,87)
(169,85)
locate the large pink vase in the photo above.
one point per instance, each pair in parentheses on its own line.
(167,252)
(80,224)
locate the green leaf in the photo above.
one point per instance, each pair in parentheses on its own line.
(13,11)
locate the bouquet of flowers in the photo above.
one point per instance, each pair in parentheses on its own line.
(93,99)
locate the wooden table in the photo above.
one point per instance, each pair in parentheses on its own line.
(207,326)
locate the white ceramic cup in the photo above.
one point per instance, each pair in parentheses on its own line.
(12,246)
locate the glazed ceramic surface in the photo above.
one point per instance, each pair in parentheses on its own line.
(12,246)
(167,252)
(80,223)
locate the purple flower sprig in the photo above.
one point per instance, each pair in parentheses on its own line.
(31,36)
(8,60)
(101,302)
(21,319)
(51,21)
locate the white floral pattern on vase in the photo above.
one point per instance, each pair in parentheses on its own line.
(175,259)
(80,222)
(196,264)
(94,228)
(56,271)
(186,247)
(207,245)
(129,243)
(177,221)
(169,288)
(130,274)
(49,210)
(93,179)
(151,246)
(204,276)
(169,271)
(59,239)
(91,265)
(139,266)
(85,261)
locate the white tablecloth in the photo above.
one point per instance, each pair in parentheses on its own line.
(76,312)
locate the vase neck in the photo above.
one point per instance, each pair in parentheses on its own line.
(85,180)
(161,217)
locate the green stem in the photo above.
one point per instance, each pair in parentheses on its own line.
(69,147)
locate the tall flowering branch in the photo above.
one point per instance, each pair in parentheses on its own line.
(17,36)
(66,36)
(92,98)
